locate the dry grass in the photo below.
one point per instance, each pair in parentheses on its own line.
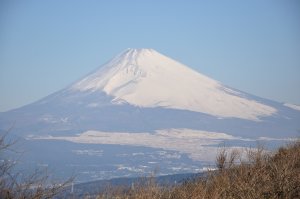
(260,174)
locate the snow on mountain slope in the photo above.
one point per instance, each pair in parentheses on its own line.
(187,141)
(292,106)
(146,78)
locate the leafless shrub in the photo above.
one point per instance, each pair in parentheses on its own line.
(15,185)
(259,175)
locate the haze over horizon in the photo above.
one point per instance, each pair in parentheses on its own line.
(251,46)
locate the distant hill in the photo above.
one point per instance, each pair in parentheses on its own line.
(99,186)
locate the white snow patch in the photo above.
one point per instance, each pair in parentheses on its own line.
(293,106)
(276,139)
(205,169)
(195,143)
(146,78)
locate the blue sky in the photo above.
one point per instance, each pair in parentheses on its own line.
(252,45)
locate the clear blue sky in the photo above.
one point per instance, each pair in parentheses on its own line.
(250,45)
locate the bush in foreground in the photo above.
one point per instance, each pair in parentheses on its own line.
(258,174)
(17,185)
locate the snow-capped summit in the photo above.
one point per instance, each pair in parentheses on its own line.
(146,78)
(142,102)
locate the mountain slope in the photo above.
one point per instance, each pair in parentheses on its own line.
(141,90)
(141,111)
(145,78)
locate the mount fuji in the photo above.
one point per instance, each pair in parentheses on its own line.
(146,78)
(140,111)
